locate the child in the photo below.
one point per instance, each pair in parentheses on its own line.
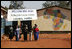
(30,35)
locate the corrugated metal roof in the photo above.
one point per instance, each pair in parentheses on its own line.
(2,8)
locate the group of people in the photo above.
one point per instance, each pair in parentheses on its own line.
(24,31)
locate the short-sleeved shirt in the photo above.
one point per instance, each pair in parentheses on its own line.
(36,29)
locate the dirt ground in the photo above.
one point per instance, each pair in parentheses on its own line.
(45,41)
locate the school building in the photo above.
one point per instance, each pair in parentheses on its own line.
(48,21)
(53,18)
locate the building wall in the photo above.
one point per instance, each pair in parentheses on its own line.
(47,24)
(64,11)
(43,24)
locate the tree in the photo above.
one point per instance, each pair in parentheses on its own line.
(57,3)
(6,8)
(47,4)
(69,4)
(50,3)
(16,5)
(62,3)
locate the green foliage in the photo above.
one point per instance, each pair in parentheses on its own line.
(64,4)
(16,5)
(6,8)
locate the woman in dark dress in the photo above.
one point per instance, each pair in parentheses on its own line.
(25,32)
(11,33)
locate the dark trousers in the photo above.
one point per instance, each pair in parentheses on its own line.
(11,35)
(17,38)
(25,35)
(36,35)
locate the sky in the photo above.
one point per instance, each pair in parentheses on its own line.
(27,4)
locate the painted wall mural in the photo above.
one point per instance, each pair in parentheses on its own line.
(57,17)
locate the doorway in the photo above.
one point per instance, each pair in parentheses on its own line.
(29,24)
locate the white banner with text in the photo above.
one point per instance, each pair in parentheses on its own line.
(21,14)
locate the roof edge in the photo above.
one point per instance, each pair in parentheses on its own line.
(54,6)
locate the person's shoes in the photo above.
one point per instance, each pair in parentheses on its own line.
(10,39)
(17,40)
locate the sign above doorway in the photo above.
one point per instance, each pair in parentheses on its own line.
(22,14)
